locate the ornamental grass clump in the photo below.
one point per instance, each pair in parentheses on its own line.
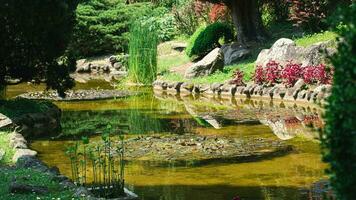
(143,53)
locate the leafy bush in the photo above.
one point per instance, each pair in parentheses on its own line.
(163,22)
(259,75)
(339,139)
(291,73)
(185,18)
(317,74)
(219,12)
(206,39)
(309,14)
(143,53)
(273,72)
(237,77)
(103,26)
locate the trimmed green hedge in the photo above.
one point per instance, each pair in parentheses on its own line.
(207,38)
(339,139)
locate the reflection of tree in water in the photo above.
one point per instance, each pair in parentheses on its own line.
(141,116)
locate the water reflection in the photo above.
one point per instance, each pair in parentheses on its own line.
(280,177)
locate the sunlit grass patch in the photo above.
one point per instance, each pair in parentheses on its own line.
(315,38)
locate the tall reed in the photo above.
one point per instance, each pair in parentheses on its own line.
(143,53)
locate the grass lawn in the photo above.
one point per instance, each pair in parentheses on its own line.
(26,176)
(247,66)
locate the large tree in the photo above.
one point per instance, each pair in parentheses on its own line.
(34,36)
(247,19)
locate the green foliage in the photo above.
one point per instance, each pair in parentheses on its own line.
(31,176)
(163,22)
(339,139)
(103,25)
(34,35)
(207,38)
(143,53)
(18,107)
(5,145)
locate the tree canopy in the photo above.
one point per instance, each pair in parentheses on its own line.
(34,38)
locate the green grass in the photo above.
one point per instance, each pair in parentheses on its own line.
(315,38)
(4,145)
(31,177)
(26,176)
(248,66)
(18,107)
(167,62)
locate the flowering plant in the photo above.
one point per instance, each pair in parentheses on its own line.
(273,72)
(237,77)
(291,73)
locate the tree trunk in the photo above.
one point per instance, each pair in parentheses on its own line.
(248,22)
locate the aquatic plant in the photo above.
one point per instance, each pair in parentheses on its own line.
(107,170)
(143,53)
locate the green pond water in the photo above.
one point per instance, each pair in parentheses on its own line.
(287,176)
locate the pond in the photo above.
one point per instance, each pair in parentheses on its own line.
(283,176)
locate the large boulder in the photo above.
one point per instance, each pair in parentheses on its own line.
(234,53)
(208,65)
(23,153)
(285,50)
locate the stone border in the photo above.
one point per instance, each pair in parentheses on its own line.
(77,95)
(297,93)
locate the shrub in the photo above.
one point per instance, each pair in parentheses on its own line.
(339,138)
(206,39)
(237,77)
(309,14)
(291,73)
(143,53)
(185,18)
(259,75)
(103,26)
(273,72)
(318,74)
(218,12)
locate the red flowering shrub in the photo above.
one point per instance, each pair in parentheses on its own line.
(237,77)
(259,76)
(317,74)
(291,73)
(218,12)
(273,72)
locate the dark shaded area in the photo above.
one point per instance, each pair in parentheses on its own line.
(217,192)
